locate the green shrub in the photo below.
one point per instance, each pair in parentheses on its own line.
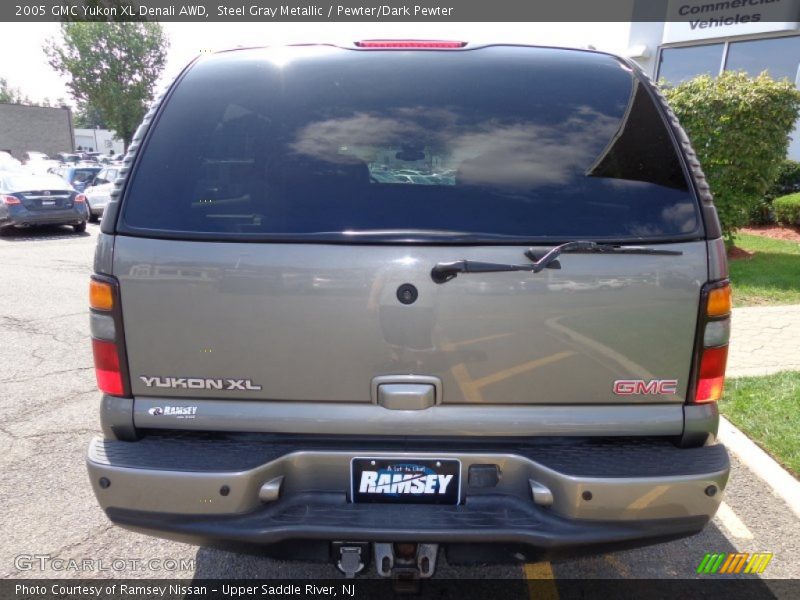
(787,182)
(739,127)
(787,209)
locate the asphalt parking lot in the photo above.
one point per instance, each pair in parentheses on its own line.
(49,402)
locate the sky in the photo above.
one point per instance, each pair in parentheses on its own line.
(25,66)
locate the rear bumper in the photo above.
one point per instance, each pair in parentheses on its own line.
(485,519)
(205,489)
(23,217)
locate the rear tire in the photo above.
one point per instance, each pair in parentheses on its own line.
(5,231)
(80,227)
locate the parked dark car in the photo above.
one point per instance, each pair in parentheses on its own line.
(78,176)
(28,200)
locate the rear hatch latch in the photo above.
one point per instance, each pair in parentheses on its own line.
(406,392)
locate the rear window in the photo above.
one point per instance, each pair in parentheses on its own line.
(83,175)
(498,143)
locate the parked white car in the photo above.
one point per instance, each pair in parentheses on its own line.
(8,162)
(38,163)
(98,192)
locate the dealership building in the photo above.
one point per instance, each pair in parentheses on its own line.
(695,37)
(98,140)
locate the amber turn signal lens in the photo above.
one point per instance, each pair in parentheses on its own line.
(101,295)
(719,302)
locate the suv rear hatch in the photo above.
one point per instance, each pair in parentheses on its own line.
(286,199)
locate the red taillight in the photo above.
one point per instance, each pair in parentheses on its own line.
(8,200)
(79,199)
(712,342)
(711,378)
(107,367)
(108,340)
(400,44)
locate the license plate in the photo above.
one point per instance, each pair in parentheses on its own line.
(48,202)
(405,480)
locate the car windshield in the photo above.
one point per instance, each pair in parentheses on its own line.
(501,142)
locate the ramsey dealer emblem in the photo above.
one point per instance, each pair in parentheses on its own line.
(182,412)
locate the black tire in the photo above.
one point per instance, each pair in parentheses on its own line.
(5,231)
(92,217)
(80,227)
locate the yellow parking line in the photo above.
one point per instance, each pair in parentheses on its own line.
(647,499)
(528,366)
(470,388)
(541,581)
(448,346)
(465,383)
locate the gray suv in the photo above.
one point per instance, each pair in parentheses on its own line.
(372,302)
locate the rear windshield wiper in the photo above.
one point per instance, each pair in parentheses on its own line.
(445,271)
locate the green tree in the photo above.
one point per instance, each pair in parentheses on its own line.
(87,116)
(739,127)
(11,95)
(112,67)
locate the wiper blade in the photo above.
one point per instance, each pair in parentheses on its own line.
(585,247)
(445,271)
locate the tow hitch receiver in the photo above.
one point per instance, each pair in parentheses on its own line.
(406,563)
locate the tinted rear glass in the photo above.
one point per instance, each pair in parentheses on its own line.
(498,143)
(82,175)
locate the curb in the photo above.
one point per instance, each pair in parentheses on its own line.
(783,485)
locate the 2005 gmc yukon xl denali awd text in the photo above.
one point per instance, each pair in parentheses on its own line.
(355,300)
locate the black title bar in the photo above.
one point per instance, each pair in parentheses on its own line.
(398,10)
(368,589)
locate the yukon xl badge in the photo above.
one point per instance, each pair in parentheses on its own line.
(198,383)
(629,387)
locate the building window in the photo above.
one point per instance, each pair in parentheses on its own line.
(680,64)
(780,57)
